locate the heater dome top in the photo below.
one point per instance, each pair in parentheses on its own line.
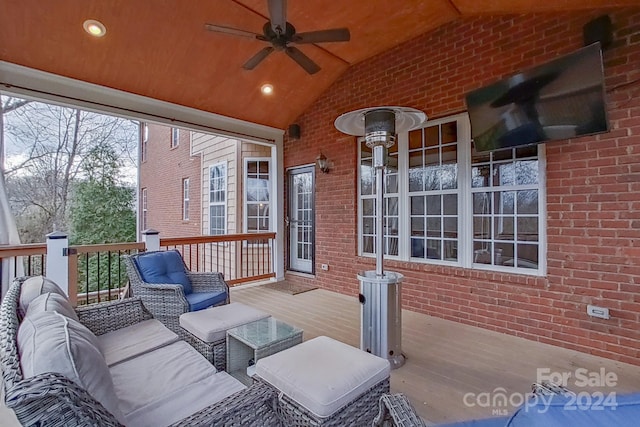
(352,123)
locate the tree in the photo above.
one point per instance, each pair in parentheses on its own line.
(46,151)
(102,211)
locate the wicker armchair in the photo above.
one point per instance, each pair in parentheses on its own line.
(167,301)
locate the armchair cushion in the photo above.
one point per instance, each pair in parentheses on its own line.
(201,300)
(164,267)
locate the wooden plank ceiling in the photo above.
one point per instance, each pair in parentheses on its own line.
(160,49)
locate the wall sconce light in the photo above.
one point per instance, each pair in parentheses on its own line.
(322,163)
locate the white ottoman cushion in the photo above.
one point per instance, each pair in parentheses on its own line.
(211,325)
(323,375)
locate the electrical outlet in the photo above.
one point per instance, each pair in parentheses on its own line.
(325,267)
(595,311)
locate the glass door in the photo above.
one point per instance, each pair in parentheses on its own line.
(301,220)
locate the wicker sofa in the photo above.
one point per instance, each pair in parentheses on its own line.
(151,386)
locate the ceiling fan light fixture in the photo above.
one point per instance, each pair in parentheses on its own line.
(266,89)
(94,28)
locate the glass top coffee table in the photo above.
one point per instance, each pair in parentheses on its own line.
(246,344)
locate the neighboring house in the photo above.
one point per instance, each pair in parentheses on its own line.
(194,184)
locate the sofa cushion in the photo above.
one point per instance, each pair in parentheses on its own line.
(183,402)
(322,374)
(140,381)
(52,301)
(35,286)
(51,342)
(164,267)
(212,325)
(201,300)
(125,343)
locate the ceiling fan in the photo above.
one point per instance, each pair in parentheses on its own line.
(281,34)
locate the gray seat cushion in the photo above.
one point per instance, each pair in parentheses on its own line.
(323,375)
(126,343)
(153,376)
(211,325)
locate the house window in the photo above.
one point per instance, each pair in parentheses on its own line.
(218,199)
(447,204)
(368,201)
(433,192)
(144,209)
(257,195)
(143,142)
(506,213)
(175,137)
(185,199)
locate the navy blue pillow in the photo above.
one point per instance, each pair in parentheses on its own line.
(164,267)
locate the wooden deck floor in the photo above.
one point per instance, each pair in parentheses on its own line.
(445,360)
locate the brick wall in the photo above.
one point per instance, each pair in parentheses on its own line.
(593,218)
(162,174)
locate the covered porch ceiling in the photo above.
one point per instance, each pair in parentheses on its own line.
(160,49)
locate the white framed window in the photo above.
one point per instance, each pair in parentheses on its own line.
(218,199)
(175,137)
(145,224)
(185,199)
(257,195)
(446,204)
(506,208)
(367,192)
(144,138)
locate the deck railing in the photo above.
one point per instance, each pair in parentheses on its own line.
(240,257)
(96,273)
(28,259)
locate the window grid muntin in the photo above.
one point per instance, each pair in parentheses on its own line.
(185,199)
(368,201)
(175,137)
(424,144)
(144,209)
(218,199)
(489,181)
(257,195)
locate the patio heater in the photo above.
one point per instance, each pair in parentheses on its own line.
(380,291)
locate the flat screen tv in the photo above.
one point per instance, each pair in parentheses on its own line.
(558,100)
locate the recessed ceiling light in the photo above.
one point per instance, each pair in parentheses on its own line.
(95,28)
(266,89)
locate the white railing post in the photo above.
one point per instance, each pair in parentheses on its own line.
(151,239)
(57,262)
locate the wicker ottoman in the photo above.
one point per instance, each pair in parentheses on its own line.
(206,330)
(323,382)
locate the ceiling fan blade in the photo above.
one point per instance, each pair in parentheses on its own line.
(278,15)
(323,36)
(257,58)
(233,31)
(303,60)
